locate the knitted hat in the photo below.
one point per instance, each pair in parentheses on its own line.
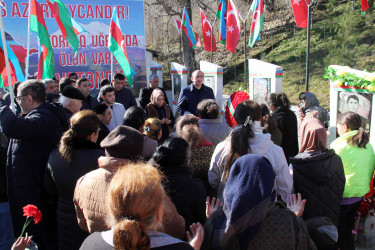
(100,109)
(73,93)
(233,101)
(123,142)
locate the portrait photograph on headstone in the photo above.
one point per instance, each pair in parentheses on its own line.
(176,86)
(262,86)
(359,103)
(209,81)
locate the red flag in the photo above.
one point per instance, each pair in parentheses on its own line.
(364,5)
(208,36)
(233,27)
(300,12)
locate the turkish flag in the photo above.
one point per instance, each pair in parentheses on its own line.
(208,36)
(300,12)
(364,5)
(233,27)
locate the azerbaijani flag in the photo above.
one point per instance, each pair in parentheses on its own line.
(77,27)
(64,21)
(189,30)
(221,14)
(178,26)
(117,46)
(257,22)
(16,73)
(46,63)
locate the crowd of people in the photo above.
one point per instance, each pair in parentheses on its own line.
(106,173)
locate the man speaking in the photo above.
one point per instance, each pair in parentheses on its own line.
(192,94)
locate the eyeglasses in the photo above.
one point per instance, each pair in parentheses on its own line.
(18,98)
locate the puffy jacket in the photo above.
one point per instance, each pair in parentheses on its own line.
(90,200)
(261,145)
(32,139)
(358,164)
(187,193)
(286,121)
(320,178)
(61,179)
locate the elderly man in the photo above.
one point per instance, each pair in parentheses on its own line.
(51,86)
(192,94)
(33,136)
(71,99)
(107,93)
(84,86)
(123,95)
(145,93)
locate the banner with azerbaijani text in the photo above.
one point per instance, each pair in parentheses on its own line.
(93,59)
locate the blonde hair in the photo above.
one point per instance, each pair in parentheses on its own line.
(152,128)
(134,198)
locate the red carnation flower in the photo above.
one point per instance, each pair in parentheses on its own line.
(234,100)
(31,212)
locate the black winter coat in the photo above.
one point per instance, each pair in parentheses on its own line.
(320,178)
(60,181)
(187,194)
(286,120)
(32,139)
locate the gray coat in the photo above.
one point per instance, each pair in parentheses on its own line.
(214,130)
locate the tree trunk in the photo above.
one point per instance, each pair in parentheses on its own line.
(189,53)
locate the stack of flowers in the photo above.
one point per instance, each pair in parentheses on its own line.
(344,79)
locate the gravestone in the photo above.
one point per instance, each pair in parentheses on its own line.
(264,78)
(179,81)
(213,78)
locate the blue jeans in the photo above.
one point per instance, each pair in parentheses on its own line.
(6,229)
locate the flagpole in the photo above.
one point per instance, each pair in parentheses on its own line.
(244,49)
(111,67)
(212,39)
(308,45)
(7,64)
(28,44)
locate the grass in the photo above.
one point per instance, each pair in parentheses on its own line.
(338,36)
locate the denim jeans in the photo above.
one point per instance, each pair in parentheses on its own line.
(6,229)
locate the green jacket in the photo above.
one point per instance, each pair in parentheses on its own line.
(358,165)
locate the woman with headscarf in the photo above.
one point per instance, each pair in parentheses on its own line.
(250,218)
(157,108)
(318,173)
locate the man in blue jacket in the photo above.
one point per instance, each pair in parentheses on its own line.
(192,94)
(32,138)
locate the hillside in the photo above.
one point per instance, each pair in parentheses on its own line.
(339,36)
